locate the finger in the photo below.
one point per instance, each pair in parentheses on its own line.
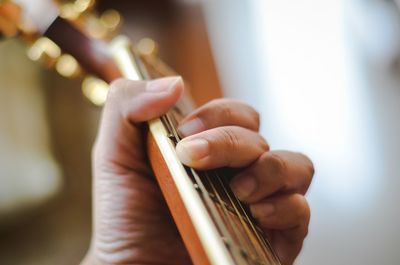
(285,219)
(129,103)
(139,101)
(218,113)
(274,171)
(286,212)
(287,250)
(229,146)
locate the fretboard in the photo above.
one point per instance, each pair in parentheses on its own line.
(244,239)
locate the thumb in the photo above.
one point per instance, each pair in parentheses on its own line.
(140,101)
(129,103)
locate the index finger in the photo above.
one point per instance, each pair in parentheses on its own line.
(219,113)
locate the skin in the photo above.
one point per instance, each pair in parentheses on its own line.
(131,221)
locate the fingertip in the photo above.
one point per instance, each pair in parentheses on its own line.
(192,152)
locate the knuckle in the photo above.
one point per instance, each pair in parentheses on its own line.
(275,163)
(302,208)
(225,110)
(230,138)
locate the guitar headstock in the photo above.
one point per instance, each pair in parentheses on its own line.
(73,39)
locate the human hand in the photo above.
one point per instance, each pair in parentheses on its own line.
(131,222)
(224,133)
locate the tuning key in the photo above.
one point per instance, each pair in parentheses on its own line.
(44,50)
(147,47)
(95,90)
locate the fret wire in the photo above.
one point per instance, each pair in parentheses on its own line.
(227,214)
(263,241)
(167,116)
(248,231)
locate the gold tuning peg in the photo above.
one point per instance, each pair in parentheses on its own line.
(103,26)
(147,47)
(148,51)
(73,10)
(68,66)
(95,90)
(111,19)
(47,52)
(44,50)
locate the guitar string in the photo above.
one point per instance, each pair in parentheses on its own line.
(223,229)
(223,206)
(227,214)
(211,205)
(245,232)
(241,217)
(263,241)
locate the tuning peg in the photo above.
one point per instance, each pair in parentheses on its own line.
(111,19)
(147,47)
(45,51)
(68,66)
(95,90)
(73,10)
(103,26)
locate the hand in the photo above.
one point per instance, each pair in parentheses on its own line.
(131,222)
(224,133)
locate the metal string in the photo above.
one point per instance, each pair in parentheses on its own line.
(215,212)
(239,214)
(226,212)
(263,241)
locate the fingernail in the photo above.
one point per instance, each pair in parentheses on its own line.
(163,84)
(262,210)
(191,127)
(244,186)
(192,150)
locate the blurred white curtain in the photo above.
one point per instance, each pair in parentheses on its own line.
(320,73)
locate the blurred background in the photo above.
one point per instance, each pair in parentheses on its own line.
(325,75)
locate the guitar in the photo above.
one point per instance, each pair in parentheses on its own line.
(214,225)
